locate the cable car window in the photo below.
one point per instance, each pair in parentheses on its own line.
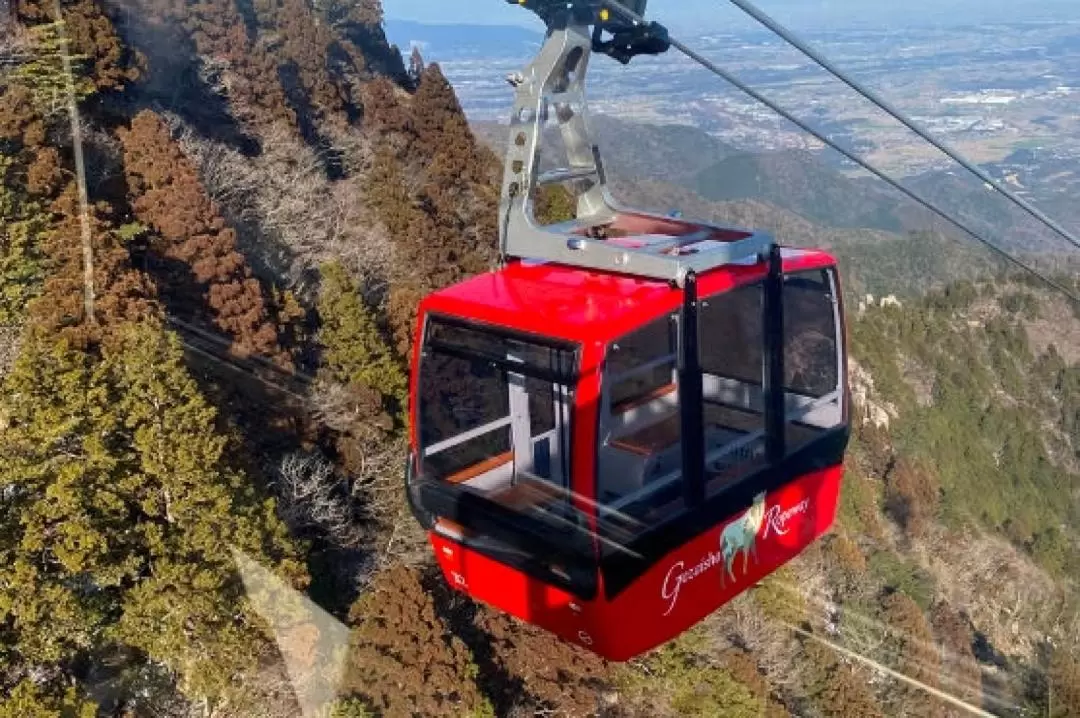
(640,458)
(642,365)
(731,345)
(466,400)
(812,356)
(732,334)
(810,338)
(494,419)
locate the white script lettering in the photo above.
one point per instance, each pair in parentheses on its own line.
(777,520)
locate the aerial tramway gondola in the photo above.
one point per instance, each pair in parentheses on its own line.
(636,417)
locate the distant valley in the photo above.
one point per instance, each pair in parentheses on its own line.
(1007,102)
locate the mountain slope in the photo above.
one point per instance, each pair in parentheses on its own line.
(798,182)
(271,194)
(670,153)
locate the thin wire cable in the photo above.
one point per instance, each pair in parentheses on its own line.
(878,666)
(805,48)
(80,166)
(988,692)
(618,7)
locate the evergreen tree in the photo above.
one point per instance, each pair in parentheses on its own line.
(188,611)
(123,512)
(354,349)
(28,700)
(43,73)
(22,225)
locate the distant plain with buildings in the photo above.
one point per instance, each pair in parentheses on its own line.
(1005,95)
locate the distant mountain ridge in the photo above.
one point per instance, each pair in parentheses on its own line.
(799,182)
(794,196)
(669,152)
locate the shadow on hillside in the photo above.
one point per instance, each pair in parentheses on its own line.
(177,81)
(332,159)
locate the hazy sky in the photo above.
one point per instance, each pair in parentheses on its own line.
(716,14)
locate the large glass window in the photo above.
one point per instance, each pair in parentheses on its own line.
(640,453)
(732,345)
(812,356)
(810,335)
(640,477)
(731,341)
(642,365)
(494,416)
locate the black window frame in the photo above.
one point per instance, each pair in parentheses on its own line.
(567,559)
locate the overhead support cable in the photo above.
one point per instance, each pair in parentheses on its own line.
(802,46)
(697,57)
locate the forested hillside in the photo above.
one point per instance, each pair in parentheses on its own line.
(209,268)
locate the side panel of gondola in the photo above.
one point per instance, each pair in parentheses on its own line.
(676,593)
(698,578)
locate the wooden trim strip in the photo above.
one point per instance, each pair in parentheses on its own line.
(482,467)
(630,404)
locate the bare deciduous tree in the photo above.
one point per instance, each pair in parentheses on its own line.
(312,495)
(290,216)
(9,348)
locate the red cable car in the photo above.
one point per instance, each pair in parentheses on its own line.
(636,417)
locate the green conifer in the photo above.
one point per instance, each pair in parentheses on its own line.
(355,350)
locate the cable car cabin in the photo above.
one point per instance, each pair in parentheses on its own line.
(615,436)
(613,458)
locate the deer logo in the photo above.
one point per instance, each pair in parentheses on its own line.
(740,536)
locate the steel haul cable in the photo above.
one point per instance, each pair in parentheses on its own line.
(792,39)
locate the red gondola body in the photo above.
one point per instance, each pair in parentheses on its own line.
(746,540)
(614,441)
(675,595)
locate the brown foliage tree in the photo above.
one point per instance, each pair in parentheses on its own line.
(912,496)
(416,65)
(386,116)
(960,668)
(556,677)
(92,35)
(368,12)
(43,176)
(220,36)
(1065,685)
(19,120)
(306,44)
(121,294)
(403,660)
(744,669)
(433,188)
(913,652)
(836,687)
(203,276)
